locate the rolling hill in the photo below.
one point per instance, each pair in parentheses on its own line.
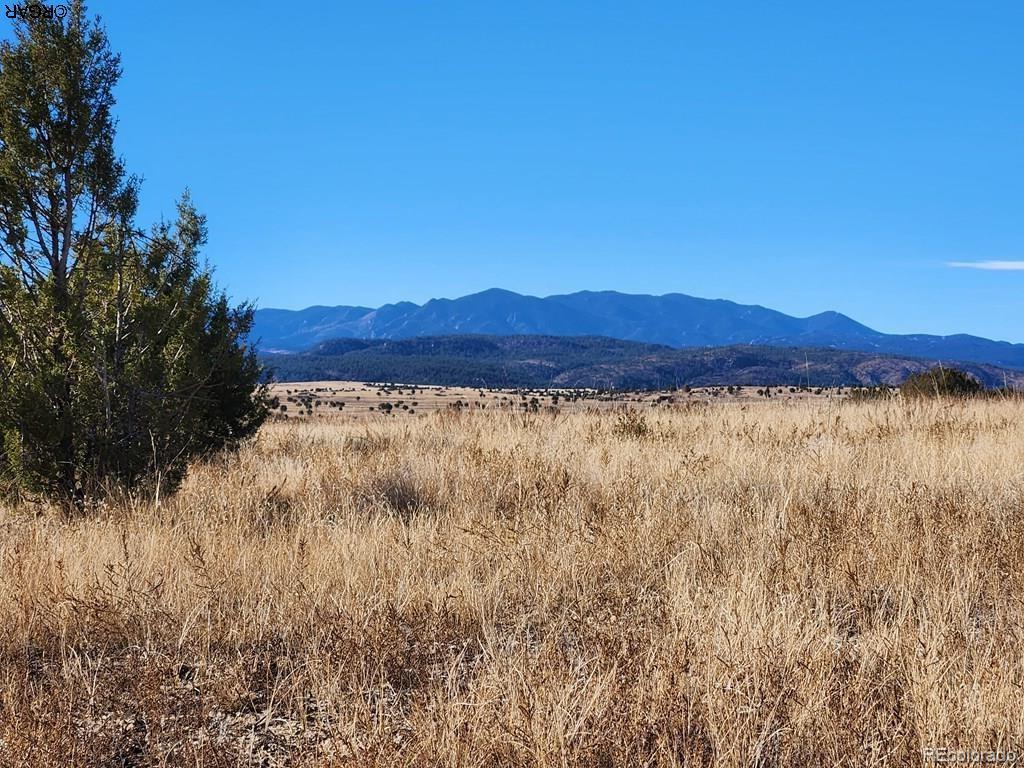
(673,320)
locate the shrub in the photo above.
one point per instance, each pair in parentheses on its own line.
(397,491)
(942,382)
(631,424)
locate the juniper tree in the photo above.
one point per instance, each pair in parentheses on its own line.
(119,358)
(942,381)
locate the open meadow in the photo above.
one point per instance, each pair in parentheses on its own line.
(356,400)
(806,582)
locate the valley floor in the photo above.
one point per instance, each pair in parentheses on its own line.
(352,400)
(814,582)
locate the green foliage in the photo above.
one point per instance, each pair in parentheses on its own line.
(941,382)
(120,359)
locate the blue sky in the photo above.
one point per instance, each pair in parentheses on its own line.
(803,156)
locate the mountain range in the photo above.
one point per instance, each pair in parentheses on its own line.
(672,320)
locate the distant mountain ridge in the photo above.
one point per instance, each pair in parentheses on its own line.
(674,320)
(599,363)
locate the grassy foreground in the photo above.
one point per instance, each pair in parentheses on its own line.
(770,584)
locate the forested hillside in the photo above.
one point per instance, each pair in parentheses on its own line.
(549,361)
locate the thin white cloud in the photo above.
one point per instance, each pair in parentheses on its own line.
(994,265)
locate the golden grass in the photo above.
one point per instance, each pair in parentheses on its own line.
(354,400)
(779,584)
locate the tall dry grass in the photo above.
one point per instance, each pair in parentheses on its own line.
(759,585)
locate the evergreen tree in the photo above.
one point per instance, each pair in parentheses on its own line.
(120,359)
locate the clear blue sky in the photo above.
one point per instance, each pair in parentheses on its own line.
(803,156)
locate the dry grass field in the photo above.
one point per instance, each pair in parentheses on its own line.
(775,583)
(354,400)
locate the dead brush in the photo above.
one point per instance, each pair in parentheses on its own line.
(631,424)
(124,605)
(395,490)
(368,444)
